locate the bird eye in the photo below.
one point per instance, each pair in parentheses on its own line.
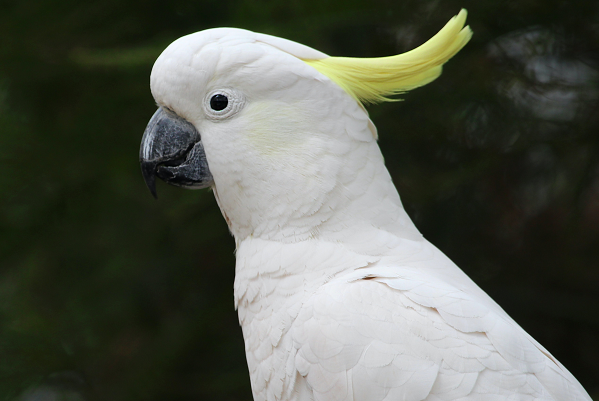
(223,103)
(219,102)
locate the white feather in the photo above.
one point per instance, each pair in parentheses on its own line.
(339,296)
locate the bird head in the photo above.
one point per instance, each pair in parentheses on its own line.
(276,128)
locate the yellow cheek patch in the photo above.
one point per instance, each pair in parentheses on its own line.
(277,132)
(373,80)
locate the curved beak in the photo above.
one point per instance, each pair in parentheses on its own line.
(171,149)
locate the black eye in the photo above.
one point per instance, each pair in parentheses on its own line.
(219,102)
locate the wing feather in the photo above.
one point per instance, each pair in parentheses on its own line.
(406,336)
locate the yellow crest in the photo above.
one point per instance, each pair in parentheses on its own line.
(373,80)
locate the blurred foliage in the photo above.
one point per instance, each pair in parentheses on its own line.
(106,294)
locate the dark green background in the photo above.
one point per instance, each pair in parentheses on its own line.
(107,294)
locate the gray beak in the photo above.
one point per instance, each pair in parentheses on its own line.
(171,149)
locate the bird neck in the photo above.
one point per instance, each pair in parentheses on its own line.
(355,201)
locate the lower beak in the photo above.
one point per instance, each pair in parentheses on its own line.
(171,149)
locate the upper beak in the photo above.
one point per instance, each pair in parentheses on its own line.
(171,148)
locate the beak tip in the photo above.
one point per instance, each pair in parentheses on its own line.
(148,172)
(151,184)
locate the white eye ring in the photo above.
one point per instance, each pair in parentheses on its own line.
(230,100)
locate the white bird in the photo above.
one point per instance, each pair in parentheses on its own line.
(339,295)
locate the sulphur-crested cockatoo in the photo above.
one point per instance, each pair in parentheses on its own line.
(339,296)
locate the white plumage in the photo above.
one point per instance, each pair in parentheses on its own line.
(339,296)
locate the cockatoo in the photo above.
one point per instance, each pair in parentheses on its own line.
(339,296)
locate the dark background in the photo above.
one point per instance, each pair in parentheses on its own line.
(107,294)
